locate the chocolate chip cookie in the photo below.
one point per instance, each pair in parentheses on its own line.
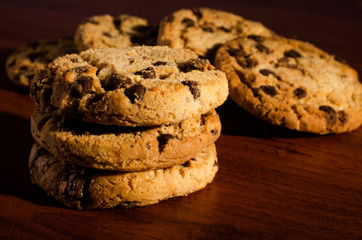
(203,30)
(104,31)
(292,84)
(134,86)
(124,148)
(83,188)
(22,65)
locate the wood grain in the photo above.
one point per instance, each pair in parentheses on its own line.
(273,183)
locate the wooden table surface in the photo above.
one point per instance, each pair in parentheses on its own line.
(272,183)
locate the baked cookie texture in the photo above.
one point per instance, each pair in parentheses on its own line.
(22,65)
(83,188)
(103,31)
(134,86)
(292,84)
(124,148)
(204,30)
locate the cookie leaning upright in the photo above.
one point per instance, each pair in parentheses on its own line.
(203,30)
(135,86)
(292,84)
(103,31)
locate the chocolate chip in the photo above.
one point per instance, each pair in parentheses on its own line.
(136,92)
(187,164)
(262,48)
(270,90)
(236,52)
(224,29)
(117,22)
(300,93)
(292,54)
(284,62)
(214,131)
(116,81)
(208,29)
(246,62)
(340,60)
(81,86)
(78,182)
(162,141)
(147,73)
(266,72)
(256,38)
(159,63)
(195,91)
(197,12)
(193,64)
(107,34)
(188,22)
(330,114)
(342,117)
(215,164)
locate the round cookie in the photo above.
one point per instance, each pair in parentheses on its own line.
(134,86)
(104,31)
(204,30)
(292,84)
(22,65)
(124,148)
(83,188)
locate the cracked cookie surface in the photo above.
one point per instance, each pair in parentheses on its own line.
(104,31)
(135,86)
(83,188)
(204,30)
(22,65)
(292,84)
(124,148)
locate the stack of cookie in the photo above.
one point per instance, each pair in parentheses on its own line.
(125,127)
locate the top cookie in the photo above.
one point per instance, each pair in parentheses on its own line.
(292,83)
(22,65)
(121,31)
(203,30)
(135,86)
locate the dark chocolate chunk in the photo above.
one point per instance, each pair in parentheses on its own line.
(193,64)
(246,62)
(266,72)
(147,73)
(188,22)
(300,93)
(107,34)
(342,117)
(292,54)
(208,29)
(187,164)
(236,52)
(195,91)
(136,92)
(215,164)
(159,63)
(262,48)
(162,141)
(330,114)
(81,86)
(78,184)
(256,38)
(270,90)
(224,29)
(116,81)
(117,22)
(214,131)
(197,12)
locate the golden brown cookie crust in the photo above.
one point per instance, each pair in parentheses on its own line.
(82,188)
(292,84)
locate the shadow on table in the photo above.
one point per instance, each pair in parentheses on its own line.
(15,145)
(237,121)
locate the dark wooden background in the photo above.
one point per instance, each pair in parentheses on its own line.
(272,183)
